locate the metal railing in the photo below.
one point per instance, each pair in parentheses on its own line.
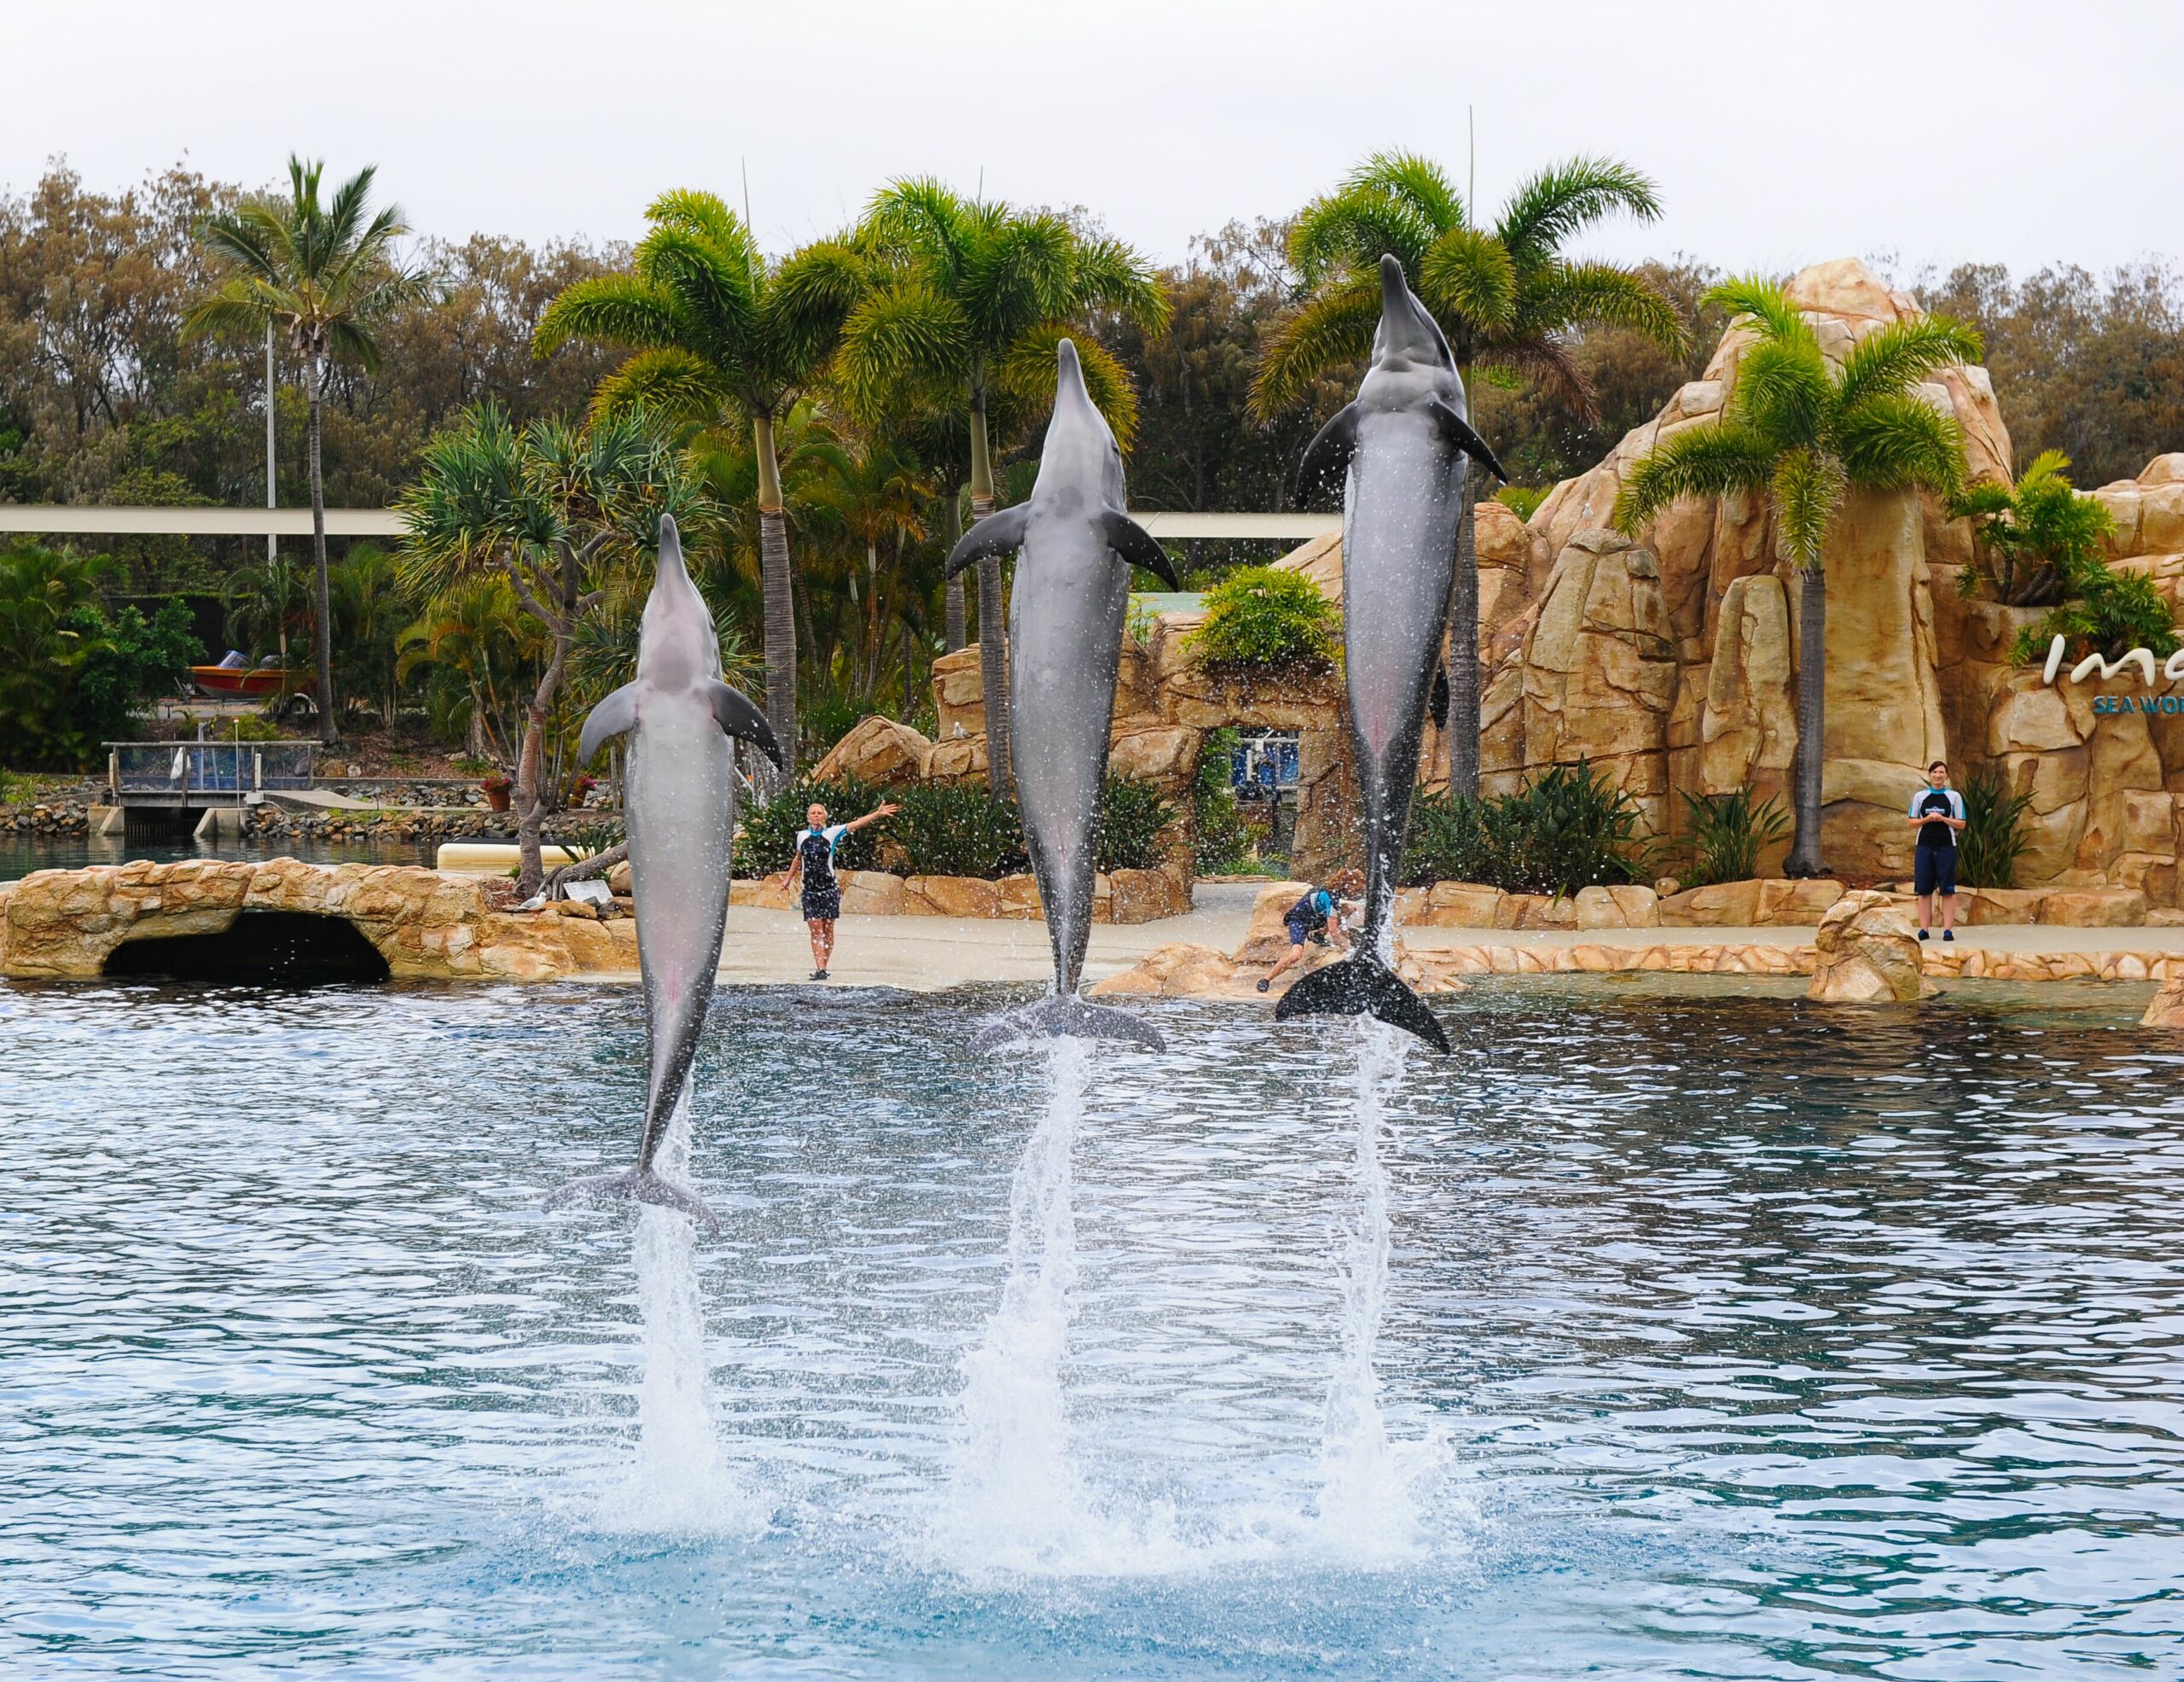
(177,771)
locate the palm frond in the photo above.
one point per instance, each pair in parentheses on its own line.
(1332,327)
(674,386)
(1016,277)
(1466,280)
(904,335)
(611,310)
(1713,458)
(1026,375)
(1783,391)
(1553,365)
(2048,466)
(1806,489)
(1773,315)
(1352,229)
(1110,276)
(1897,441)
(705,218)
(716,296)
(1565,198)
(1893,358)
(802,308)
(1559,295)
(1411,180)
(918,216)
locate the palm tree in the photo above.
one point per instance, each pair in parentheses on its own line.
(965,318)
(876,494)
(470,640)
(1801,433)
(327,272)
(1507,298)
(720,334)
(551,508)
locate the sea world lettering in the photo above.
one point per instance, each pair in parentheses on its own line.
(2095,666)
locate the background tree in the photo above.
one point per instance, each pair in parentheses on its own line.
(1507,298)
(326,272)
(967,314)
(721,334)
(1800,432)
(550,508)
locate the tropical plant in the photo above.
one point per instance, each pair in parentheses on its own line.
(1506,297)
(973,297)
(371,611)
(268,601)
(958,829)
(1266,620)
(2030,538)
(1221,840)
(721,335)
(1728,833)
(1802,432)
(1523,500)
(1993,839)
(1568,829)
(766,828)
(326,272)
(553,508)
(876,494)
(2111,611)
(1132,814)
(470,641)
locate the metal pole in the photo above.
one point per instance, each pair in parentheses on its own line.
(272,543)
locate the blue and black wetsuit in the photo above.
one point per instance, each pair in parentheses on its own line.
(822,895)
(1933,860)
(1310,915)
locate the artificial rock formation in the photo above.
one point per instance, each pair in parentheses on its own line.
(1867,952)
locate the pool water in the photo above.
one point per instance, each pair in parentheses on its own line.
(1718,1336)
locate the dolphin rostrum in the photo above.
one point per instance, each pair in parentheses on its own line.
(679,806)
(1405,447)
(1065,644)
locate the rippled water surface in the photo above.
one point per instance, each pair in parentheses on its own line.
(1721,1337)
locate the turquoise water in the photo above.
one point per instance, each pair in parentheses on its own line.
(1717,1337)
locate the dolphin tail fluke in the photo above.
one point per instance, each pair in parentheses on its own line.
(1363,987)
(1071,1018)
(635,1186)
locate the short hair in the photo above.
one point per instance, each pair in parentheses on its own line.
(1938,764)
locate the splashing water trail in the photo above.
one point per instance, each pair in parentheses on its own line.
(1017,1499)
(1365,1480)
(679,1482)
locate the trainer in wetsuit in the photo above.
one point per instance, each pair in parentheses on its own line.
(1318,916)
(1938,812)
(814,862)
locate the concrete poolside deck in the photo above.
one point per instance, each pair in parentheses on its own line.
(926,953)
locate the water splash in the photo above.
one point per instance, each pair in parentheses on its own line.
(1017,1499)
(680,1482)
(1367,1503)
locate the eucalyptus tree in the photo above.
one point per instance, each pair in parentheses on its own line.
(325,271)
(553,509)
(1801,432)
(964,314)
(1506,296)
(721,335)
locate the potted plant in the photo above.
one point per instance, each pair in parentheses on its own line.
(496,787)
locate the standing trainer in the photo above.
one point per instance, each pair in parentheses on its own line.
(814,862)
(1937,810)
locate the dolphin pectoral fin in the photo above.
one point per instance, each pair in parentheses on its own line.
(613,716)
(997,534)
(738,715)
(634,1186)
(1465,437)
(1327,456)
(1138,546)
(1066,1018)
(1363,987)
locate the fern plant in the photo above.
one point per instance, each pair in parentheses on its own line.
(1728,832)
(1993,839)
(2034,539)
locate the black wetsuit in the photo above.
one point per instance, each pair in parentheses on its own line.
(822,895)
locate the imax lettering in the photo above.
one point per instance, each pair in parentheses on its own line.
(2093,664)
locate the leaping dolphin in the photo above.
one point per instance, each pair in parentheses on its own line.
(1065,644)
(680,808)
(1407,447)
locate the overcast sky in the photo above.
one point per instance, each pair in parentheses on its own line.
(1781,134)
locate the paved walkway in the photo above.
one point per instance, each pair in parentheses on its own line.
(924,954)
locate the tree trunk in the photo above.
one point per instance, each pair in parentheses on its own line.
(780,615)
(329,730)
(955,585)
(1804,859)
(1461,732)
(993,633)
(529,794)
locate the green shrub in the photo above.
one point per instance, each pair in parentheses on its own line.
(2111,612)
(1993,838)
(1569,828)
(956,829)
(1132,815)
(2034,539)
(1221,839)
(1524,500)
(1728,832)
(765,838)
(1266,620)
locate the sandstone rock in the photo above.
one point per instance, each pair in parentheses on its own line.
(1618,907)
(880,751)
(1748,730)
(870,893)
(950,896)
(1018,897)
(1147,896)
(1165,754)
(1867,952)
(1994,907)
(617,879)
(2167,1009)
(1784,903)
(1461,904)
(767,893)
(1265,939)
(959,694)
(1721,905)
(2094,908)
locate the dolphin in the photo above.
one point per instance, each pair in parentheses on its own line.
(1405,447)
(680,801)
(1065,645)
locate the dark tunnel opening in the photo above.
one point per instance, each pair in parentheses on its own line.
(279,949)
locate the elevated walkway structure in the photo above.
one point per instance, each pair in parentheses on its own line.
(165,788)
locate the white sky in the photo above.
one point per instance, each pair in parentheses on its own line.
(1780,133)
